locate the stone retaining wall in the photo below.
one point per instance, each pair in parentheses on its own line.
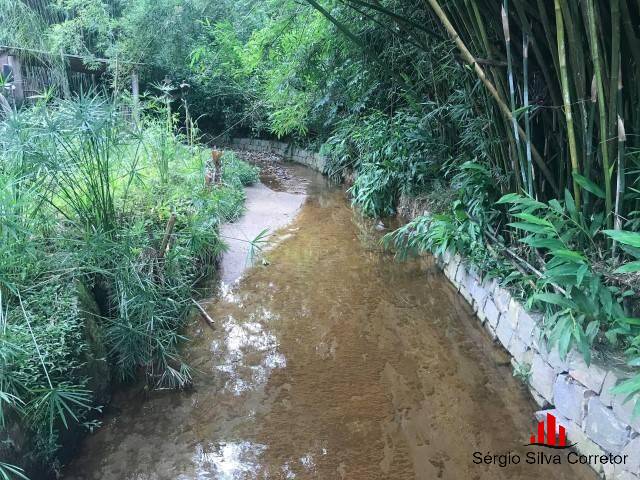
(287,150)
(578,395)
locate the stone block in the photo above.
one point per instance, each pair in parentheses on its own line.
(504,331)
(570,398)
(479,294)
(452,268)
(526,325)
(591,376)
(492,313)
(470,280)
(602,426)
(542,377)
(513,313)
(554,359)
(447,256)
(461,274)
(502,298)
(584,445)
(625,475)
(466,295)
(612,378)
(480,313)
(490,330)
(633,460)
(518,349)
(624,411)
(539,399)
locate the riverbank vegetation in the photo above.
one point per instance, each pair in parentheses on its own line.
(107,226)
(515,123)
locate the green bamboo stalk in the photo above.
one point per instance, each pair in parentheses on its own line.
(566,97)
(614,79)
(527,116)
(620,184)
(595,56)
(620,180)
(589,141)
(471,61)
(517,157)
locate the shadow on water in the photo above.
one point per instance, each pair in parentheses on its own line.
(332,362)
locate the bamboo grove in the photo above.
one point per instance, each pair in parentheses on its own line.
(552,203)
(562,77)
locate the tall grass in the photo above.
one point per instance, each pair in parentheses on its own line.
(94,288)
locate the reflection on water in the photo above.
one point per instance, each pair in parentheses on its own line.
(227,461)
(332,362)
(242,344)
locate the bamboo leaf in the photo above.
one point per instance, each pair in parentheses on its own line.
(554,299)
(589,185)
(530,227)
(627,238)
(630,267)
(527,217)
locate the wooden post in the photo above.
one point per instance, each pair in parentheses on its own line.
(17,81)
(135,94)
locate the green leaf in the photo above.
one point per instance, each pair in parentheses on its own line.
(627,238)
(589,185)
(8,471)
(527,217)
(555,205)
(548,243)
(509,198)
(530,227)
(554,299)
(627,387)
(569,255)
(634,362)
(630,267)
(571,205)
(630,320)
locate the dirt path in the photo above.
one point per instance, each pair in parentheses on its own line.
(332,362)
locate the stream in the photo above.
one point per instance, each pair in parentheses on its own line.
(329,360)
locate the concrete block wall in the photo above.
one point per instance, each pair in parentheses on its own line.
(578,395)
(286,150)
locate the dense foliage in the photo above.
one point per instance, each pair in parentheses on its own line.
(93,284)
(517,123)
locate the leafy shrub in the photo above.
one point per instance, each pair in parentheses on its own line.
(392,156)
(235,169)
(86,201)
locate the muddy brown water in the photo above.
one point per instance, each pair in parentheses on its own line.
(332,362)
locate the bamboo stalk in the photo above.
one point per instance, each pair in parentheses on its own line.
(167,235)
(566,97)
(204,313)
(614,82)
(517,158)
(589,141)
(595,56)
(620,183)
(527,115)
(504,109)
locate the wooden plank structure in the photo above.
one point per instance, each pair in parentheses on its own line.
(28,72)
